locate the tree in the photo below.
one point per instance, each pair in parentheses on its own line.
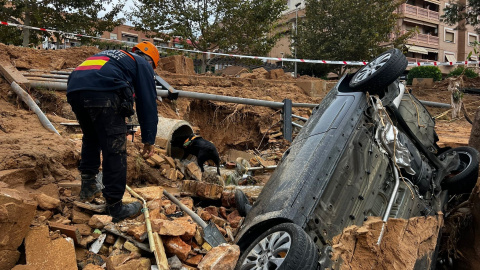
(351,30)
(241,26)
(459,13)
(63,15)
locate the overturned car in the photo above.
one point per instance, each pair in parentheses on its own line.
(366,149)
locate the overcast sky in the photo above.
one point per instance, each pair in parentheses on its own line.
(128,5)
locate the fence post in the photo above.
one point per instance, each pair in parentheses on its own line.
(287,119)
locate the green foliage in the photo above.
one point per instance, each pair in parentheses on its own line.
(469,73)
(424,72)
(458,12)
(345,30)
(65,15)
(242,26)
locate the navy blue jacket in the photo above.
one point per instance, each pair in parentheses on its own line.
(115,69)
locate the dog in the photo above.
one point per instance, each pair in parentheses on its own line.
(199,147)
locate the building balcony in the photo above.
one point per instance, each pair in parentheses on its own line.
(424,40)
(420,13)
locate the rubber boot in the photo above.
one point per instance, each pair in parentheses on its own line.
(243,205)
(90,188)
(119,211)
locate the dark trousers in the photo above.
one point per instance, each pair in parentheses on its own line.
(104,130)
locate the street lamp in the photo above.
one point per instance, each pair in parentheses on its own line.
(296,39)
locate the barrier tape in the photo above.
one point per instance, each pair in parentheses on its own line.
(352,63)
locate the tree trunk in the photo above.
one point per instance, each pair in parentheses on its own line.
(204,63)
(26,31)
(474,140)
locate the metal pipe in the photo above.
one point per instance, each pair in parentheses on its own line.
(33,106)
(390,202)
(187,94)
(435,104)
(47,79)
(297,125)
(46,76)
(299,117)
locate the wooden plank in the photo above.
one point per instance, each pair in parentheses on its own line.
(159,252)
(11,74)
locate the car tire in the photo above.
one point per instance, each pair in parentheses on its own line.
(298,250)
(380,72)
(464,178)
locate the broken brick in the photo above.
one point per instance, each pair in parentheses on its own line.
(188,225)
(167,227)
(84,229)
(99,221)
(157,159)
(150,193)
(194,171)
(212,210)
(209,190)
(139,232)
(219,221)
(150,162)
(223,212)
(176,246)
(80,217)
(223,257)
(189,187)
(187,201)
(46,202)
(68,230)
(234,219)
(205,215)
(171,174)
(131,247)
(110,239)
(170,161)
(194,260)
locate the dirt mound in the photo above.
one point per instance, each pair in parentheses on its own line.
(403,243)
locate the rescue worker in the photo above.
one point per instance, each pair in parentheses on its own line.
(101,92)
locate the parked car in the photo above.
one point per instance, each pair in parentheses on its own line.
(345,165)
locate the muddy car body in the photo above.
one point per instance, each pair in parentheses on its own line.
(339,170)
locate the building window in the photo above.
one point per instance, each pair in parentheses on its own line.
(472,39)
(113,36)
(449,36)
(450,57)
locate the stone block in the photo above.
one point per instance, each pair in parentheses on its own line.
(99,221)
(423,82)
(189,187)
(16,213)
(187,201)
(157,159)
(46,202)
(84,229)
(194,260)
(170,161)
(44,253)
(139,232)
(313,88)
(131,247)
(150,193)
(194,171)
(209,190)
(188,225)
(176,246)
(167,227)
(234,219)
(80,217)
(223,257)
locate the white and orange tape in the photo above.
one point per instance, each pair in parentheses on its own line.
(352,63)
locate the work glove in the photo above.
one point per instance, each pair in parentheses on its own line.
(148,150)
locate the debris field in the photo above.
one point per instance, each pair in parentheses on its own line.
(43,226)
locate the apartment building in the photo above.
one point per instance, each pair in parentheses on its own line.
(127,35)
(434,41)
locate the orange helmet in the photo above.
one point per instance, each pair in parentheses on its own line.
(149,49)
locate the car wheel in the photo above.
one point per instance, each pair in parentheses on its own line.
(464,177)
(380,72)
(284,246)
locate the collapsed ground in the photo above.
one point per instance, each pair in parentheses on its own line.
(34,160)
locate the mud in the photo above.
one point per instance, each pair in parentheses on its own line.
(32,157)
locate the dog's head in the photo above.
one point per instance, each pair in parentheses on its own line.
(179,140)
